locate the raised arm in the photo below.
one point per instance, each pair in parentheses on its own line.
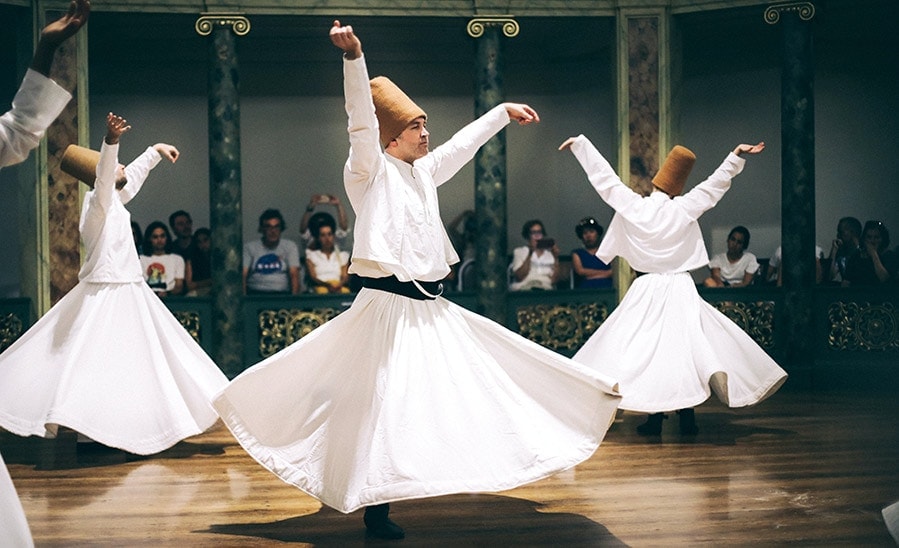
(57,32)
(345,39)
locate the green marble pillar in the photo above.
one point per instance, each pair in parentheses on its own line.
(798,182)
(225,190)
(491,260)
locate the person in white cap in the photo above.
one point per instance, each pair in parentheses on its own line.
(406,395)
(109,360)
(667,347)
(39,99)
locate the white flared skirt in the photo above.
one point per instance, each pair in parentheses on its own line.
(111,362)
(398,399)
(669,349)
(14,529)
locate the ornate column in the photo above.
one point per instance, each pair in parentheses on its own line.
(53,243)
(644,126)
(225,186)
(491,259)
(797,177)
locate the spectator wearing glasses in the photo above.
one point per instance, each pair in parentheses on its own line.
(272,263)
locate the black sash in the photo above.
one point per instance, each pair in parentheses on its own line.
(406,289)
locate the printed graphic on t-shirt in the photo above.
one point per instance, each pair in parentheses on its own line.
(156,276)
(269,264)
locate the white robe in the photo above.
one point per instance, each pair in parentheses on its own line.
(398,398)
(667,347)
(109,360)
(37,103)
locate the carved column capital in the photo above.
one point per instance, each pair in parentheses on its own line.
(477,25)
(805,10)
(207,21)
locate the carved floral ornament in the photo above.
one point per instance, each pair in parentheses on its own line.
(209,20)
(805,10)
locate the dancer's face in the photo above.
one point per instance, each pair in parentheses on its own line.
(412,143)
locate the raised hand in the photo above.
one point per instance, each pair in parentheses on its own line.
(115,127)
(167,151)
(67,25)
(522,113)
(749,149)
(345,39)
(57,32)
(568,142)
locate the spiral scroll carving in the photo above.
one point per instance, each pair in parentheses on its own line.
(477,26)
(805,10)
(208,21)
(279,329)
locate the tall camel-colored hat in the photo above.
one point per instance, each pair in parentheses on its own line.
(394,109)
(674,172)
(81,163)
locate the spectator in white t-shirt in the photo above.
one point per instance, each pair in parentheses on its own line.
(736,267)
(162,269)
(326,264)
(271,264)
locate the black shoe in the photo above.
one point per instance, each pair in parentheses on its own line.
(687,422)
(378,525)
(653,425)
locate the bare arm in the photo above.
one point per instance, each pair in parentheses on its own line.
(57,32)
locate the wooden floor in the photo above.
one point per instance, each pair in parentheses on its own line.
(800,468)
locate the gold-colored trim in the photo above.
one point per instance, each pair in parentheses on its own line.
(11,328)
(478,25)
(805,10)
(238,22)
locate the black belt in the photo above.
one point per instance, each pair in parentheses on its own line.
(406,289)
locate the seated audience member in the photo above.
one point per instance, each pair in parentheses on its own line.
(342,230)
(326,264)
(200,282)
(271,264)
(163,270)
(182,226)
(874,264)
(775,266)
(736,267)
(535,265)
(589,270)
(845,245)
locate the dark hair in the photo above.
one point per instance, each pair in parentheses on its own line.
(147,247)
(175,215)
(271,214)
(588,222)
(205,231)
(319,220)
(526,229)
(854,224)
(740,230)
(884,233)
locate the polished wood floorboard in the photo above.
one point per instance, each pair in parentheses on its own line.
(802,468)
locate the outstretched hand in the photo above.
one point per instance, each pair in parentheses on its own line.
(115,127)
(56,33)
(345,39)
(522,113)
(749,149)
(567,144)
(167,151)
(67,25)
